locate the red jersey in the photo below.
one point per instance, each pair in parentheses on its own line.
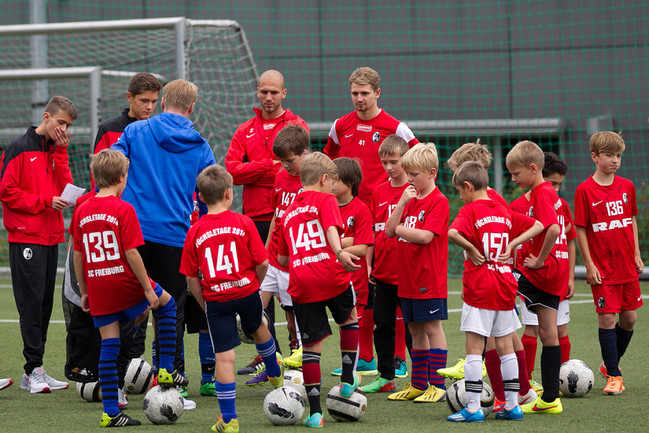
(493,194)
(360,139)
(552,276)
(314,272)
(520,205)
(284,192)
(223,250)
(384,199)
(571,233)
(606,212)
(489,227)
(357,224)
(104,228)
(423,269)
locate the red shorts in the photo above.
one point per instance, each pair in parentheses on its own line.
(616,298)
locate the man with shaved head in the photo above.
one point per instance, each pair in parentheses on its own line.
(251,162)
(250,159)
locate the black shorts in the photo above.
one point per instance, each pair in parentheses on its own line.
(222,320)
(195,319)
(312,319)
(534,296)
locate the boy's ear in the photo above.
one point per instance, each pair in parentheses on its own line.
(229,194)
(324,178)
(200,197)
(468,185)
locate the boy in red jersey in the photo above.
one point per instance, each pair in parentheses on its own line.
(224,260)
(114,284)
(554,171)
(607,234)
(389,334)
(357,238)
(421,228)
(544,273)
(479,152)
(488,232)
(290,146)
(309,245)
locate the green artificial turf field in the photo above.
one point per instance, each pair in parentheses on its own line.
(65,411)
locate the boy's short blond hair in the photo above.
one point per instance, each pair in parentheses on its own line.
(606,142)
(421,158)
(179,94)
(472,172)
(365,75)
(107,167)
(524,154)
(292,139)
(393,145)
(61,103)
(212,183)
(470,152)
(314,165)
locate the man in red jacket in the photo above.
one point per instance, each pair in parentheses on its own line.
(34,171)
(250,159)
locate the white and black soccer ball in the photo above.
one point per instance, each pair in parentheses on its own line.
(247,338)
(346,409)
(90,391)
(575,378)
(456,397)
(163,404)
(284,406)
(295,379)
(138,377)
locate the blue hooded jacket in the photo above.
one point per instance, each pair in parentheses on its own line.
(166,154)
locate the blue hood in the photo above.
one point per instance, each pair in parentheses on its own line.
(175,133)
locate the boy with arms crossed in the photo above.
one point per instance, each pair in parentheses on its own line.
(554,171)
(114,284)
(607,234)
(483,228)
(390,333)
(544,273)
(224,261)
(310,244)
(421,228)
(357,238)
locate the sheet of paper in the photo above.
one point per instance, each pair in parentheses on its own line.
(71,193)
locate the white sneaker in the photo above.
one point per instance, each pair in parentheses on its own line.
(122,401)
(189,404)
(527,398)
(54,384)
(4,383)
(38,382)
(24,382)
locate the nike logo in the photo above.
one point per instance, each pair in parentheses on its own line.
(278,189)
(349,135)
(33,159)
(535,408)
(595,204)
(433,312)
(640,298)
(382,204)
(248,136)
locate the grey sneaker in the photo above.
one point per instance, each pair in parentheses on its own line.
(37,381)
(54,384)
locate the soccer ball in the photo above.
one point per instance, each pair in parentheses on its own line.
(295,379)
(575,378)
(247,338)
(137,379)
(284,406)
(163,404)
(346,409)
(90,391)
(456,397)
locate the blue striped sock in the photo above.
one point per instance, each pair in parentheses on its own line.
(268,353)
(108,375)
(436,360)
(419,368)
(226,394)
(166,322)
